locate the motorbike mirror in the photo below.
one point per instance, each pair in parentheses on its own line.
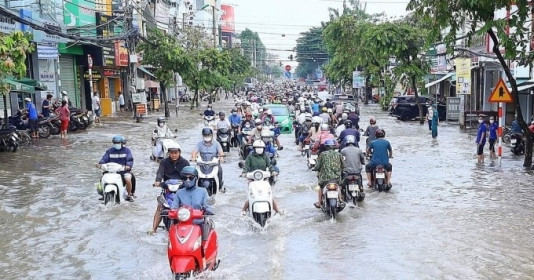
(155,131)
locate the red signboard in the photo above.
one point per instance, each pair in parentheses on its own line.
(288,67)
(121,55)
(227,18)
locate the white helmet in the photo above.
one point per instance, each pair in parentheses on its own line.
(350,139)
(174,147)
(258,144)
(324,127)
(344,116)
(329,110)
(269,112)
(265,133)
(317,119)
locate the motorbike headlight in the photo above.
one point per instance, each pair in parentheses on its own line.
(184,214)
(258,175)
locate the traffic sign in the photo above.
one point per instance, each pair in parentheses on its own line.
(288,67)
(501,93)
(90,61)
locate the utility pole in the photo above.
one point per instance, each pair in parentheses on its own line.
(214,29)
(131,43)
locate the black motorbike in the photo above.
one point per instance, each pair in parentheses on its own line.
(378,177)
(245,148)
(19,121)
(517,144)
(223,137)
(168,190)
(352,188)
(234,142)
(9,140)
(330,204)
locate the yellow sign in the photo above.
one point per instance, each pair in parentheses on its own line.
(463,75)
(501,93)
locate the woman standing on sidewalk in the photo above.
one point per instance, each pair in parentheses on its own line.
(64,115)
(492,137)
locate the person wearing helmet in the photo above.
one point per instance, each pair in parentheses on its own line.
(330,165)
(209,112)
(268,115)
(325,116)
(169,168)
(324,136)
(344,117)
(339,109)
(222,122)
(120,154)
(381,153)
(353,156)
(207,149)
(354,117)
(65,97)
(258,160)
(370,131)
(328,104)
(161,131)
(333,118)
(315,106)
(235,118)
(315,129)
(194,197)
(246,125)
(256,131)
(349,130)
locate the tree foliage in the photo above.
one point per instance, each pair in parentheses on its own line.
(13,50)
(478,17)
(239,68)
(311,52)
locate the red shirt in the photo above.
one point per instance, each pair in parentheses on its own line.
(63,112)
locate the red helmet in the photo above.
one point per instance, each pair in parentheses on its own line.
(380,133)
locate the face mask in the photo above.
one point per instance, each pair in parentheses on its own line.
(480,121)
(492,121)
(247,125)
(207,139)
(234,113)
(117,146)
(189,184)
(259,151)
(258,127)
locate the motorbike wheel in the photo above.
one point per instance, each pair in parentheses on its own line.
(54,130)
(261,218)
(506,138)
(44,131)
(183,276)
(72,126)
(110,197)
(333,211)
(167,223)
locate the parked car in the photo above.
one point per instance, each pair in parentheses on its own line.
(405,107)
(282,116)
(349,102)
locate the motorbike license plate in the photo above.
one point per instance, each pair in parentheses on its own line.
(306,147)
(353,188)
(513,141)
(380,175)
(331,194)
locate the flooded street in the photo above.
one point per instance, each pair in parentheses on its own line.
(445,218)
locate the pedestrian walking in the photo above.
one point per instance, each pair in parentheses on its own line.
(435,121)
(492,136)
(64,115)
(121,102)
(96,107)
(32,116)
(429,115)
(481,139)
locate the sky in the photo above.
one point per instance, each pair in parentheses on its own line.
(280,22)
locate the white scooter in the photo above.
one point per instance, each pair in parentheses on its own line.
(111,185)
(209,121)
(207,175)
(260,197)
(166,142)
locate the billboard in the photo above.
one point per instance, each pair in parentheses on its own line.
(227,19)
(463,75)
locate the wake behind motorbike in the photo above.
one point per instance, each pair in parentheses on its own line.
(188,252)
(352,188)
(330,204)
(112,187)
(223,137)
(260,196)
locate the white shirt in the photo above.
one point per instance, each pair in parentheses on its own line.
(430,113)
(162,132)
(121,99)
(96,102)
(223,124)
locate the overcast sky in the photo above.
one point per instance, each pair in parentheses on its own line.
(274,18)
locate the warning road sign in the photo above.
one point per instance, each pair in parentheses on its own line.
(501,93)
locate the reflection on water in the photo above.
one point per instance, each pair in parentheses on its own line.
(445,217)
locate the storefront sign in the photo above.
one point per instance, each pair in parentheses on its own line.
(227,18)
(141,109)
(463,75)
(47,74)
(453,108)
(162,12)
(47,51)
(108,56)
(121,54)
(78,13)
(7,25)
(111,73)
(96,75)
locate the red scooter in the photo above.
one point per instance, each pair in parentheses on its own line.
(188,253)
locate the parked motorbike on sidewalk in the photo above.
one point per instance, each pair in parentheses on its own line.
(260,196)
(9,141)
(352,188)
(188,252)
(330,204)
(112,187)
(223,137)
(517,144)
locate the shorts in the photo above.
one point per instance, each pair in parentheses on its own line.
(64,125)
(492,144)
(33,125)
(97,112)
(370,167)
(121,106)
(127,175)
(480,149)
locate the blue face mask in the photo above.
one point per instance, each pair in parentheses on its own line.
(117,146)
(189,184)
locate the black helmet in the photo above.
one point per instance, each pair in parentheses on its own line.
(207,131)
(380,133)
(221,114)
(161,120)
(234,110)
(348,123)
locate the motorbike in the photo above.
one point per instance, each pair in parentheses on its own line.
(234,142)
(223,137)
(207,175)
(260,196)
(313,156)
(166,142)
(20,122)
(209,121)
(330,204)
(168,190)
(378,177)
(245,148)
(517,144)
(9,141)
(112,187)
(188,253)
(297,127)
(352,188)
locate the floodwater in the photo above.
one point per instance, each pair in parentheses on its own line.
(445,218)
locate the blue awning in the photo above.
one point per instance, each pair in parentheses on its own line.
(146,71)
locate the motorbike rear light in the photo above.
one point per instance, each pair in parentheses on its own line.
(351,178)
(380,169)
(331,186)
(184,214)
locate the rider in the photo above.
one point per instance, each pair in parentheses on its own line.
(268,115)
(349,130)
(161,131)
(258,160)
(120,154)
(209,112)
(315,106)
(235,119)
(353,156)
(324,136)
(208,149)
(382,151)
(255,134)
(516,128)
(370,131)
(353,116)
(330,165)
(246,124)
(222,122)
(324,115)
(168,169)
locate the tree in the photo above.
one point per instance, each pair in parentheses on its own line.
(311,52)
(238,68)
(13,50)
(164,52)
(478,17)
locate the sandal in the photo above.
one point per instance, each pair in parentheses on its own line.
(317,205)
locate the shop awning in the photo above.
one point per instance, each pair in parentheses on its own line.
(17,86)
(33,83)
(440,80)
(143,69)
(525,86)
(151,84)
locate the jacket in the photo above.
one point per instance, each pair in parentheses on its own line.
(255,161)
(123,157)
(162,132)
(196,197)
(330,165)
(169,169)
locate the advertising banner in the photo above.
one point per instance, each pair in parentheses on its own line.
(78,13)
(7,25)
(463,75)
(227,19)
(121,54)
(357,80)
